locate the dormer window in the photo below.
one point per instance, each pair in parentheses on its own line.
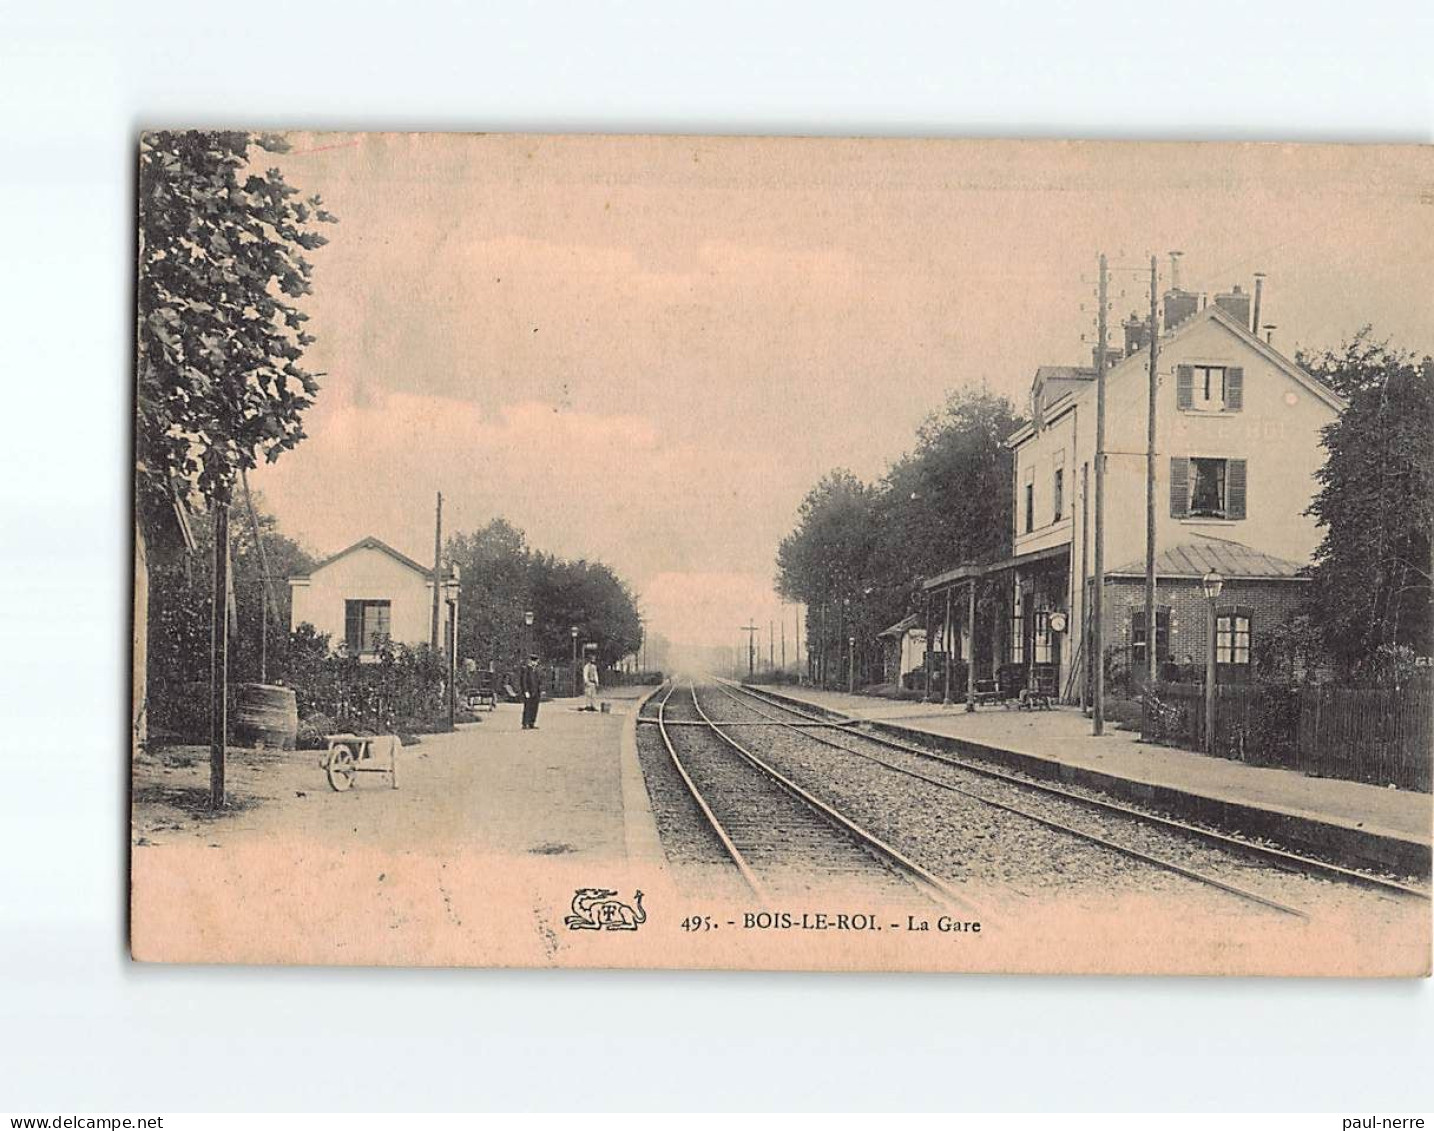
(1210,388)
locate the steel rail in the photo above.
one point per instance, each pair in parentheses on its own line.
(923,880)
(731,849)
(1280,857)
(1093,838)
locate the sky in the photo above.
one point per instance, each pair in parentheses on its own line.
(645,351)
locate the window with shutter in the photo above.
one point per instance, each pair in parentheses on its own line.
(1185,386)
(1234,389)
(1235,488)
(1179,486)
(353,625)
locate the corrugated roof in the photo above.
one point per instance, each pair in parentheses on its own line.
(1196,558)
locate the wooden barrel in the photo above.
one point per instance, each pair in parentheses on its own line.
(266,714)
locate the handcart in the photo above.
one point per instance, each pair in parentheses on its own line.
(349,755)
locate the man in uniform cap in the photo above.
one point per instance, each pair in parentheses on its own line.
(530,687)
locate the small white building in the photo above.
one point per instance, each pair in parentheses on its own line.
(363,596)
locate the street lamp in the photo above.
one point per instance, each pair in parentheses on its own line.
(574,633)
(451,591)
(1212,583)
(851,665)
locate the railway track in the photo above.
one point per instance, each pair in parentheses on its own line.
(1273,857)
(780,837)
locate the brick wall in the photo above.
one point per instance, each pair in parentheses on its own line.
(1271,603)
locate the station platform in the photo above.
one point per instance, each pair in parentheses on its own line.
(572,787)
(1353,823)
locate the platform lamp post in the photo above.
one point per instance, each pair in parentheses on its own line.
(451,591)
(1212,583)
(527,637)
(851,665)
(574,633)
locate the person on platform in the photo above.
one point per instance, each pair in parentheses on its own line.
(530,687)
(590,685)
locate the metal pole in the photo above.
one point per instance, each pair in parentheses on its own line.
(971,650)
(575,665)
(1098,596)
(851,665)
(1210,678)
(219,654)
(1151,659)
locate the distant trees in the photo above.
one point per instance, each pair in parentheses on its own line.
(1372,590)
(859,551)
(503,578)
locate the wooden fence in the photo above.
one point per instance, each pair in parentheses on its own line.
(1373,735)
(1376,735)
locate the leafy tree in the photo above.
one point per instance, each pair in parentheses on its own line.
(220,338)
(494,564)
(858,553)
(1371,593)
(503,579)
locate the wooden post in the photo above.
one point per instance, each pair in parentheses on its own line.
(1098,596)
(971,650)
(926,692)
(438,569)
(946,653)
(219,654)
(1151,659)
(1084,585)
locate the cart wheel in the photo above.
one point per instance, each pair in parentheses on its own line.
(341,769)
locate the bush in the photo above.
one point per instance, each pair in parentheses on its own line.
(313,731)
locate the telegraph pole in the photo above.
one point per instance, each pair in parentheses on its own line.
(784,641)
(437,569)
(751,629)
(771,644)
(1151,660)
(1098,597)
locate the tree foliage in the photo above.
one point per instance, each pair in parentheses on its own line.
(1371,593)
(220,337)
(503,578)
(859,551)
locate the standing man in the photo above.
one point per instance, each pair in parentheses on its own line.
(530,687)
(590,684)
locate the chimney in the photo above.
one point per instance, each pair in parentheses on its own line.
(1270,329)
(1136,336)
(1235,303)
(1179,305)
(1175,270)
(1259,293)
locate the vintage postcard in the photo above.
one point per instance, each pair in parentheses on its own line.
(771,553)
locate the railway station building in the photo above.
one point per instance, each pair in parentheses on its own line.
(1237,445)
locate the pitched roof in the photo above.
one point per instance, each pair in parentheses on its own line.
(369,543)
(1068,378)
(1233,560)
(901,626)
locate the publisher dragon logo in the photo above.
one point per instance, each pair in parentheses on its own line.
(596,909)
